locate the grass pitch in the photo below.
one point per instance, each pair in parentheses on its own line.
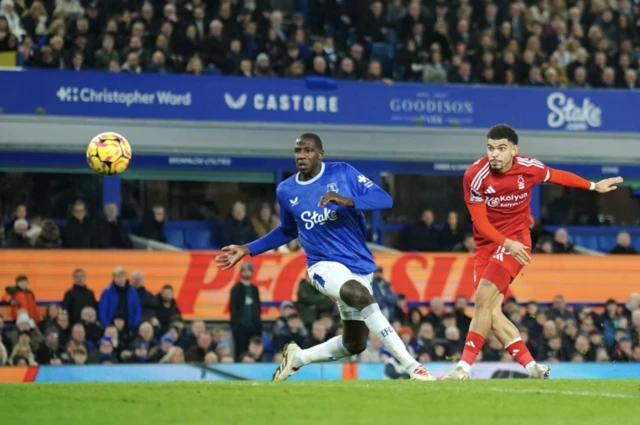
(482,402)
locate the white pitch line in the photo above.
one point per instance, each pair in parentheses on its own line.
(579,393)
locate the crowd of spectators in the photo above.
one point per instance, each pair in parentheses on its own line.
(109,231)
(554,43)
(426,235)
(128,324)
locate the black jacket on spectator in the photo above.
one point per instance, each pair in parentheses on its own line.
(196,354)
(236,232)
(113,234)
(77,298)
(17,241)
(623,250)
(245,318)
(93,332)
(152,229)
(45,354)
(164,313)
(148,302)
(423,238)
(448,238)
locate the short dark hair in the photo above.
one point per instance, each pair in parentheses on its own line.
(313,138)
(255,340)
(21,277)
(503,131)
(167,286)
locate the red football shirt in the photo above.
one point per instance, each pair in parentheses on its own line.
(507,196)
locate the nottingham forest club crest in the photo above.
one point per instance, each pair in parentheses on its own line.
(332,187)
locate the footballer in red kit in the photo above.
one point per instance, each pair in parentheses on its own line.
(497,191)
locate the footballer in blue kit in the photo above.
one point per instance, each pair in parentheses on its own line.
(322,205)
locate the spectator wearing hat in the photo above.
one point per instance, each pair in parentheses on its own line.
(138,352)
(294,331)
(120,298)
(311,303)
(50,351)
(280,327)
(20,297)
(104,353)
(244,305)
(78,297)
(166,344)
(383,293)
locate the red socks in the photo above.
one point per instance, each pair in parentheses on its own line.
(472,347)
(519,352)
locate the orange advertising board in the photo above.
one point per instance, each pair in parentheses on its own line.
(202,290)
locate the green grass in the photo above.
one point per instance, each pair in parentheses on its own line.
(490,402)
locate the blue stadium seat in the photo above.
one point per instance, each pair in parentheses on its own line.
(585,241)
(606,243)
(384,53)
(198,239)
(175,238)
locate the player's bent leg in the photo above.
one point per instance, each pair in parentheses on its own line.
(480,326)
(359,297)
(508,335)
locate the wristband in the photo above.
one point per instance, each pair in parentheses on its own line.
(593,186)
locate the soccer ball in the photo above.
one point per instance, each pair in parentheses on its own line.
(108,154)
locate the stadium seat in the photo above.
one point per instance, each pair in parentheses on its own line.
(385,54)
(175,238)
(198,239)
(606,243)
(586,241)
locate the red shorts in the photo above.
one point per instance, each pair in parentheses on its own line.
(493,263)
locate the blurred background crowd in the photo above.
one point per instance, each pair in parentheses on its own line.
(126,323)
(554,43)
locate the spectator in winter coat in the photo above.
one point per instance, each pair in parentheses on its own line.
(111,230)
(153,225)
(237,228)
(120,297)
(166,307)
(148,301)
(78,233)
(92,328)
(49,236)
(423,235)
(623,245)
(20,297)
(78,297)
(17,238)
(244,305)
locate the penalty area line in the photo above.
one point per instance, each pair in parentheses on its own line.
(557,392)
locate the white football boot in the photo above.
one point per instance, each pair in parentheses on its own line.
(457,374)
(420,373)
(539,371)
(285,369)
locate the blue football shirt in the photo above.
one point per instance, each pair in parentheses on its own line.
(332,232)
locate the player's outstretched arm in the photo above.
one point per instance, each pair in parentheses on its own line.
(281,235)
(567,179)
